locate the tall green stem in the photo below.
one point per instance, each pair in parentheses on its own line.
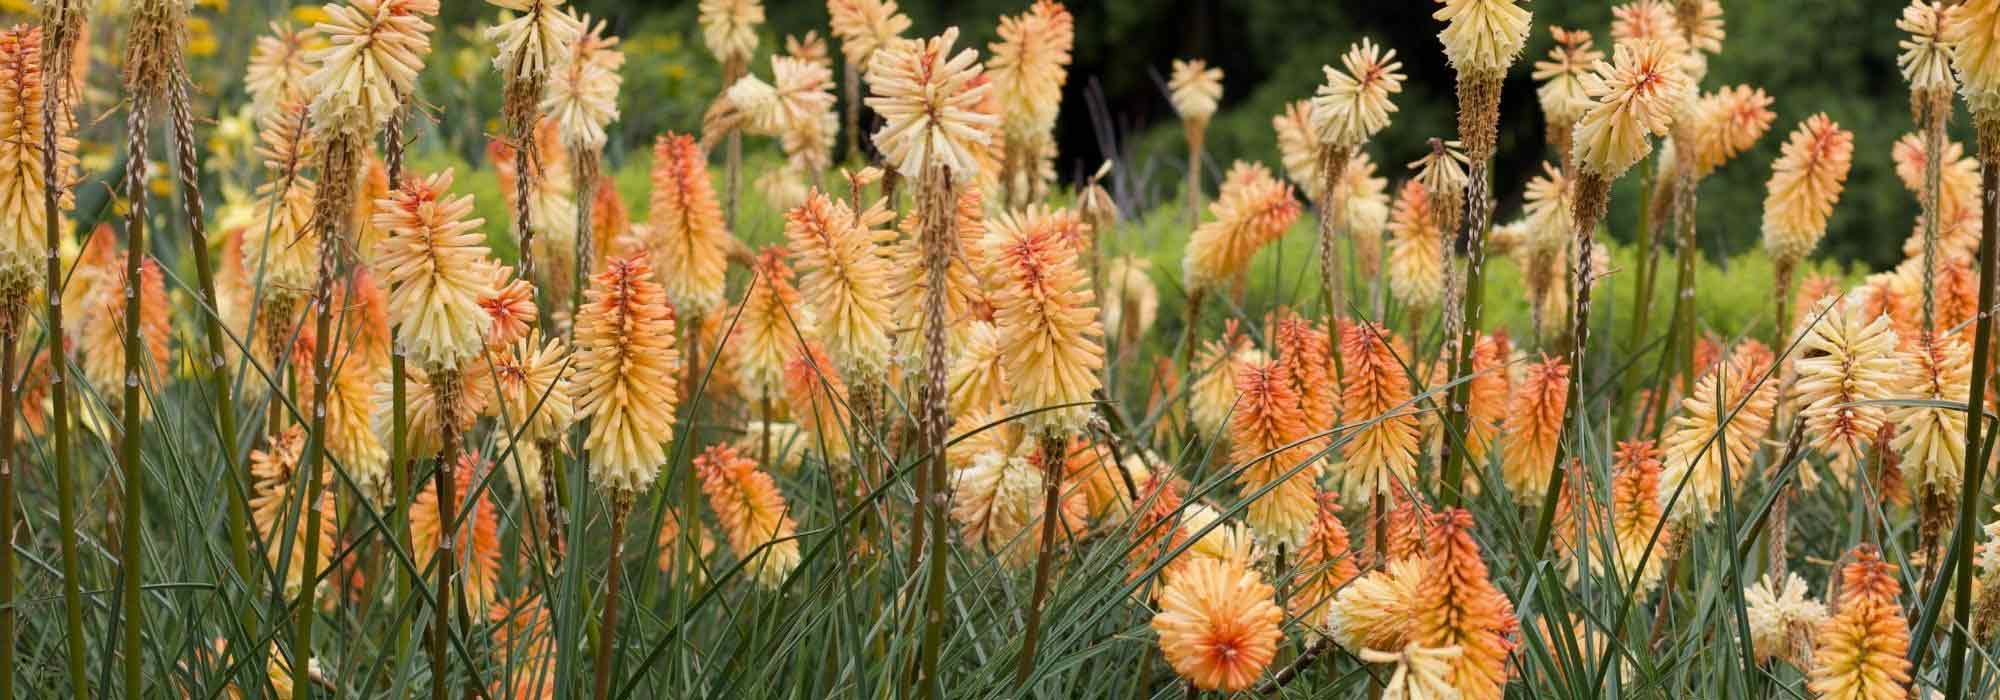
(10,336)
(61,20)
(132,549)
(1982,341)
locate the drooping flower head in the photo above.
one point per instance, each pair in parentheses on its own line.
(1253,210)
(1353,105)
(865,26)
(626,379)
(1195,90)
(1633,96)
(1051,340)
(437,270)
(689,241)
(929,99)
(1217,625)
(751,512)
(729,28)
(375,49)
(1381,458)
(1805,183)
(844,268)
(1861,648)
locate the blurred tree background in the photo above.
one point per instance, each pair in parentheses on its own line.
(1836,56)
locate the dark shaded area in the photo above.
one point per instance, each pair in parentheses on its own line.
(1836,56)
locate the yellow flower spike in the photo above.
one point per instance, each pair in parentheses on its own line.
(375,50)
(1562,92)
(535,41)
(1194,89)
(1416,249)
(626,380)
(1861,648)
(1694,452)
(1030,65)
(582,100)
(1926,57)
(1213,394)
(1218,626)
(768,325)
(978,376)
(1352,106)
(277,68)
(22,184)
(1845,357)
(998,503)
(729,28)
(865,26)
(1972,30)
(1783,620)
(1931,440)
(1378,610)
(1421,672)
(1633,96)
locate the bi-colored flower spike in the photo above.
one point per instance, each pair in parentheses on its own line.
(1926,57)
(1694,452)
(1305,358)
(998,502)
(751,512)
(1861,648)
(769,326)
(929,99)
(1253,210)
(1458,606)
(1636,514)
(1262,430)
(1727,123)
(1972,30)
(277,67)
(1194,89)
(1534,429)
(23,186)
(1051,340)
(1644,21)
(1847,359)
(1326,563)
(1353,105)
(582,99)
(437,270)
(844,268)
(283,246)
(1218,626)
(1562,78)
(273,472)
(818,400)
(1482,38)
(1805,183)
(977,380)
(511,308)
(800,93)
(1958,178)
(1378,610)
(1487,400)
(1632,97)
(1029,67)
(626,380)
(865,26)
(426,422)
(965,288)
(477,542)
(729,28)
(1381,458)
(374,51)
(1931,439)
(688,239)
(1783,620)
(1416,249)
(1422,673)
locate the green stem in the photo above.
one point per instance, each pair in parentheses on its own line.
(608,630)
(131,549)
(1982,334)
(10,327)
(59,27)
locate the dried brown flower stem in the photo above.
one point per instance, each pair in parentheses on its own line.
(448,390)
(10,336)
(1593,195)
(851,85)
(1332,166)
(1478,125)
(607,639)
(1053,451)
(939,219)
(1197,133)
(732,70)
(585,168)
(1937,108)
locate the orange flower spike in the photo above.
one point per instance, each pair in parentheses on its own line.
(477,543)
(752,513)
(1636,511)
(1305,358)
(1384,454)
(1458,606)
(1325,564)
(626,364)
(1268,419)
(1486,403)
(768,327)
(1534,427)
(818,401)
(1861,648)
(273,472)
(1050,338)
(689,241)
